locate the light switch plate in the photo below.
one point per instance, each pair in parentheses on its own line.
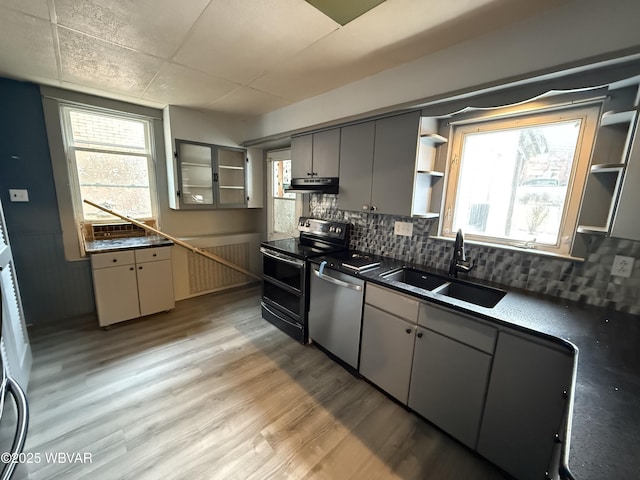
(18,195)
(622,266)
(403,228)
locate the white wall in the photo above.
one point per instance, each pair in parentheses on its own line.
(568,35)
(187,124)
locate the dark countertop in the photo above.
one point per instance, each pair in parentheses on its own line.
(129,243)
(605,427)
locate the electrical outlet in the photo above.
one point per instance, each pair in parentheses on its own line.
(622,266)
(16,195)
(403,228)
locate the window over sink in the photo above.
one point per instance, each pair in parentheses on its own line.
(517,178)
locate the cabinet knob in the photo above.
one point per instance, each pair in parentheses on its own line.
(408,330)
(365,207)
(420,335)
(309,174)
(131,268)
(115,260)
(140,268)
(373,208)
(155,254)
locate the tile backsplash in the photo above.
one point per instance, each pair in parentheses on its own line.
(588,282)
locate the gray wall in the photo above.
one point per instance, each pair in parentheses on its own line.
(588,282)
(51,287)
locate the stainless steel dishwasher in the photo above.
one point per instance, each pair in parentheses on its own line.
(335,311)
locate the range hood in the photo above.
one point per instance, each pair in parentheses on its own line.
(313,185)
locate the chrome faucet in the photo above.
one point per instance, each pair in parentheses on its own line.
(459,262)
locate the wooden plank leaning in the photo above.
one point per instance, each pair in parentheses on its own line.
(177,241)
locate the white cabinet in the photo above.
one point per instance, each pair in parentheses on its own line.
(451,367)
(132,283)
(526,405)
(316,154)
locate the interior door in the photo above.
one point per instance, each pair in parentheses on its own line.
(15,342)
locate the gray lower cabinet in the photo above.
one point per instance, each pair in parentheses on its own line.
(448,384)
(386,351)
(526,403)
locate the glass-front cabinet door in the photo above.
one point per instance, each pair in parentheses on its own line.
(231,177)
(210,176)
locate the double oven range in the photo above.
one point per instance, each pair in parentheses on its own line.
(285,289)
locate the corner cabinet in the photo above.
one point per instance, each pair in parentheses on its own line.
(132,283)
(209,176)
(428,186)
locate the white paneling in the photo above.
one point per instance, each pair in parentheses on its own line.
(157,27)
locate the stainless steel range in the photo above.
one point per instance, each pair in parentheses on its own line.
(285,297)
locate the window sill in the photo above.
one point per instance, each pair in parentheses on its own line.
(530,251)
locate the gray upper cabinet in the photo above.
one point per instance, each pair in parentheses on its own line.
(394,159)
(356,166)
(316,154)
(377,164)
(526,404)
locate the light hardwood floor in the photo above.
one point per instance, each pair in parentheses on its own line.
(210,390)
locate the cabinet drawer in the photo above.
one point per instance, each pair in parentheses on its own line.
(153,254)
(392,302)
(459,327)
(112,259)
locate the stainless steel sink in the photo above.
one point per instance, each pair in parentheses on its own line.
(449,287)
(416,278)
(477,294)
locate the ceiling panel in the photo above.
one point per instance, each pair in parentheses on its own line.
(37,8)
(26,46)
(96,63)
(178,85)
(157,27)
(240,40)
(248,102)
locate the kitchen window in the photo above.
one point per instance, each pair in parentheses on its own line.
(283,209)
(518,180)
(110,158)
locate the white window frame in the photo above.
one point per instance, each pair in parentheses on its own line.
(587,113)
(278,155)
(70,150)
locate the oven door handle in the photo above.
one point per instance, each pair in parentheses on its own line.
(335,281)
(282,258)
(296,325)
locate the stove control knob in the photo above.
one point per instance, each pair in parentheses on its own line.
(307,224)
(332,229)
(338,229)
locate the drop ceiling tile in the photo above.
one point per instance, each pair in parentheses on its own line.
(337,59)
(240,40)
(178,85)
(26,46)
(248,102)
(157,27)
(37,8)
(95,63)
